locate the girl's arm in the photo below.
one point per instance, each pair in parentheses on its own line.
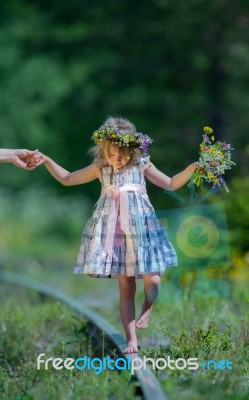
(176,182)
(67,178)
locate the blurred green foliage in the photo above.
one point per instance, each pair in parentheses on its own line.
(170,67)
(37,225)
(238,215)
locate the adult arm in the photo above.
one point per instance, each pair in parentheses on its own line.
(19,157)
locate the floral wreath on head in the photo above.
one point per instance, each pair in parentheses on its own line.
(121,138)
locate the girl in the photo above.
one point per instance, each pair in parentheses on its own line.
(124,238)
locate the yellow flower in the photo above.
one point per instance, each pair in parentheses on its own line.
(212,137)
(208,130)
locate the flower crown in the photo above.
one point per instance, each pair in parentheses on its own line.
(121,138)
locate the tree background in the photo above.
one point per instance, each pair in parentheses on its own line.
(170,67)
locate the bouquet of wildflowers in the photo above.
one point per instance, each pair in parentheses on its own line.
(214,160)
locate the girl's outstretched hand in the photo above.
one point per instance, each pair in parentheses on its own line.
(195,166)
(39,159)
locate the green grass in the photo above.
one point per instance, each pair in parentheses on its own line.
(206,342)
(31,325)
(207,329)
(203,328)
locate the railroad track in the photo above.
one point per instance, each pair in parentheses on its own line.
(149,384)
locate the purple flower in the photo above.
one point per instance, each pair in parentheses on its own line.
(226,146)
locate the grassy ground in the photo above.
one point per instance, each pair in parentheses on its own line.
(31,325)
(216,329)
(186,321)
(213,330)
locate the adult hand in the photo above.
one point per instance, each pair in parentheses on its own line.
(25,159)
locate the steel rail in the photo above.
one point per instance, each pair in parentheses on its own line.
(150,385)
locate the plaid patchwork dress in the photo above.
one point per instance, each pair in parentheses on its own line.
(124,236)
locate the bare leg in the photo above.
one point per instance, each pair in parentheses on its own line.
(151,290)
(127,290)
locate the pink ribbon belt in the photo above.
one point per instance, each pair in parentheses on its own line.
(119,198)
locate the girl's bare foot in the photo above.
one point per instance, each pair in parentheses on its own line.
(131,347)
(144,317)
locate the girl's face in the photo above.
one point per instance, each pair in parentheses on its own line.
(116,158)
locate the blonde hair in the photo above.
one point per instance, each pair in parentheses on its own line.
(100,151)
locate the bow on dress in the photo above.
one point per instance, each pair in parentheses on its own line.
(119,199)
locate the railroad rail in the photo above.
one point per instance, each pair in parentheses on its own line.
(149,384)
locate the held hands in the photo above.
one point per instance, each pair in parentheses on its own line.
(25,159)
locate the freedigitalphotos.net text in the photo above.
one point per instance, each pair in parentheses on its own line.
(131,364)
